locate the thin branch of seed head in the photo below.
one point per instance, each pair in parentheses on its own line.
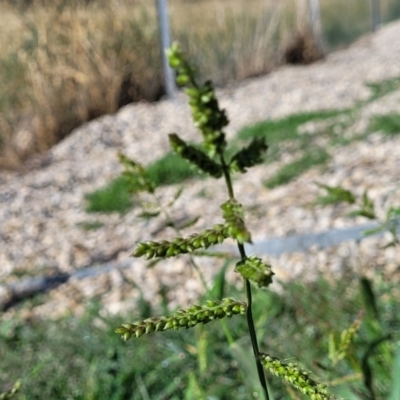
(227,176)
(192,262)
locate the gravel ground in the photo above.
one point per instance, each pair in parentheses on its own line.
(42,212)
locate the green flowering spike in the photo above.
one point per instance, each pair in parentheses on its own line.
(296,377)
(255,270)
(11,393)
(207,115)
(141,249)
(177,61)
(195,156)
(183,318)
(249,156)
(165,249)
(136,175)
(234,217)
(346,339)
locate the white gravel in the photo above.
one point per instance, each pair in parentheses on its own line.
(41,212)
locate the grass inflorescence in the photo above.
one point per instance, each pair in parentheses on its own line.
(212,159)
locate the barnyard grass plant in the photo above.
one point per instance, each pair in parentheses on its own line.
(212,159)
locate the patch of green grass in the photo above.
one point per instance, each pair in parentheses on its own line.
(382,88)
(90,226)
(75,358)
(389,124)
(169,170)
(115,197)
(86,363)
(285,129)
(85,359)
(294,169)
(315,311)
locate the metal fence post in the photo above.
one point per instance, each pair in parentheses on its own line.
(316,26)
(375,15)
(165,40)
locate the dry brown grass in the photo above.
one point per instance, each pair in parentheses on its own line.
(66,66)
(63,63)
(245,40)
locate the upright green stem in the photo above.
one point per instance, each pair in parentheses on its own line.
(227,176)
(252,330)
(249,312)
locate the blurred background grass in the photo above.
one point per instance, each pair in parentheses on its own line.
(63,63)
(83,358)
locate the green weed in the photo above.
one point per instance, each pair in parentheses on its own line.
(388,124)
(169,170)
(118,195)
(294,169)
(115,197)
(285,129)
(382,88)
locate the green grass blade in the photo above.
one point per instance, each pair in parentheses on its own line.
(248,367)
(115,197)
(344,392)
(395,391)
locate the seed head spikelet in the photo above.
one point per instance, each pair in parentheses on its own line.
(255,270)
(298,378)
(185,318)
